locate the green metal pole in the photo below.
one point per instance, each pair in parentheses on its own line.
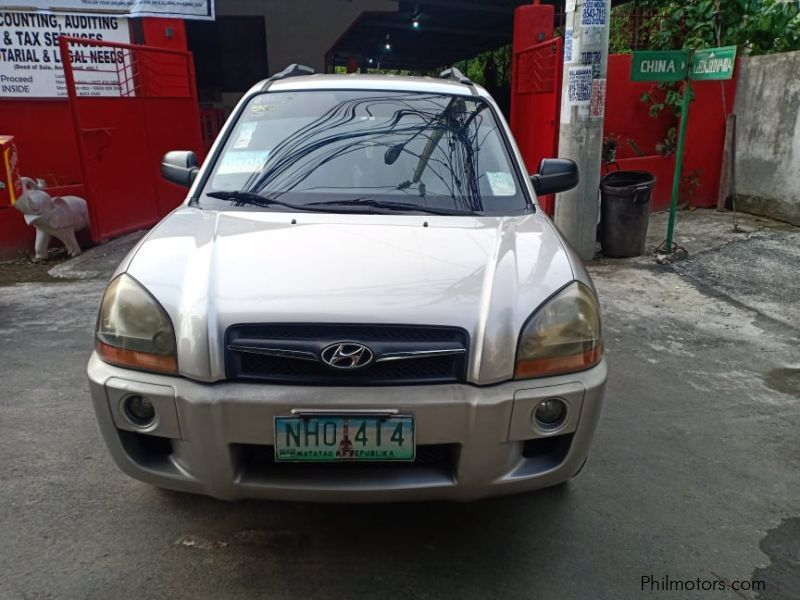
(676,183)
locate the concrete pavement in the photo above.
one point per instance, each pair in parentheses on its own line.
(694,471)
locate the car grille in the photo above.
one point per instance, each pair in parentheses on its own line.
(292,354)
(433,464)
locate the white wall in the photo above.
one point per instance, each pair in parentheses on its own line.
(768,136)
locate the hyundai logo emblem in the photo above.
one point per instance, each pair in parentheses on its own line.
(346,355)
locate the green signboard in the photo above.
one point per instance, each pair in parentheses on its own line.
(714,63)
(682,65)
(657,65)
(673,65)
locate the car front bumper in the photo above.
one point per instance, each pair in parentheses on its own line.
(472,442)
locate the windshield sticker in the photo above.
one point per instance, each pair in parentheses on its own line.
(266,103)
(257,109)
(242,162)
(246,131)
(502,184)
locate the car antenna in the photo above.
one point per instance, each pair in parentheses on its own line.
(293,70)
(455,74)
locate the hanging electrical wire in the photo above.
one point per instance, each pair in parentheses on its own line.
(450,156)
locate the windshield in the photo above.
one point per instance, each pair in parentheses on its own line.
(344,150)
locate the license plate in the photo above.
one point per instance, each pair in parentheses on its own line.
(350,438)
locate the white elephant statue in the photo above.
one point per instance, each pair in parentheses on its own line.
(59,217)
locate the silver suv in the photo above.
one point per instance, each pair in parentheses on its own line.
(359,300)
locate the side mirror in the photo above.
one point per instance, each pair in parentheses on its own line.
(180,167)
(555,175)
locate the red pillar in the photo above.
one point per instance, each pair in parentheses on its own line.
(533,24)
(164,33)
(535,87)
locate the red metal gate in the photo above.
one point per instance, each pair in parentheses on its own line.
(536,104)
(126,116)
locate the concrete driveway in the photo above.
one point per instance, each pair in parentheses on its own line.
(694,476)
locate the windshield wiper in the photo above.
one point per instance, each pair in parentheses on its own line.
(241,198)
(398,206)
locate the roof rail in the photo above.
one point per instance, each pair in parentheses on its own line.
(293,70)
(455,74)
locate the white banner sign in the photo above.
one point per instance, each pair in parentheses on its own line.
(598,106)
(569,42)
(180,9)
(579,90)
(595,13)
(30,63)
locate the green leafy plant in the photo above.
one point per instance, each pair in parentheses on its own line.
(610,144)
(494,64)
(665,95)
(776,28)
(668,145)
(635,147)
(756,26)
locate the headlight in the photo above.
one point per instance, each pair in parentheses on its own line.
(133,330)
(563,336)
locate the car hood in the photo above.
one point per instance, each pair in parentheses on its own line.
(210,270)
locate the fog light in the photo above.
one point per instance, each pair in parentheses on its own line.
(140,411)
(550,414)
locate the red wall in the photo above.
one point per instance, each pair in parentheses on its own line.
(535,117)
(46,146)
(627,116)
(705,136)
(45,137)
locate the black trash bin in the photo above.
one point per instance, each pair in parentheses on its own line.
(625,209)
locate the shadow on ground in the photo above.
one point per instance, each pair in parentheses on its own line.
(386,550)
